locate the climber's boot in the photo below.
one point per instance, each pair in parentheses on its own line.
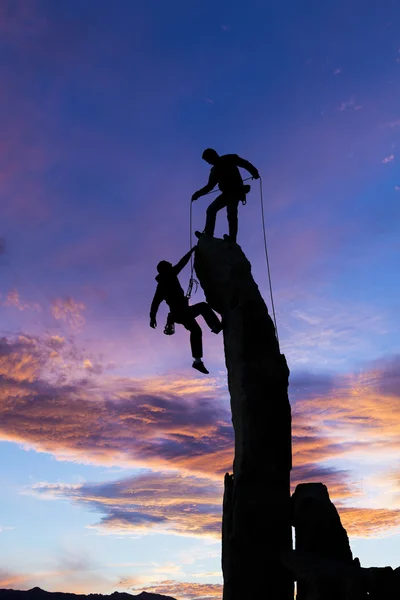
(229,238)
(199,366)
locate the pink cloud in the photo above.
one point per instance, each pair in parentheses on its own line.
(388,159)
(169,502)
(163,502)
(171,430)
(69,311)
(13,299)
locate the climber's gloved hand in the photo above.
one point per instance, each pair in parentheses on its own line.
(195,196)
(153,323)
(257,176)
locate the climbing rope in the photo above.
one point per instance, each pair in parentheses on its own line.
(192,280)
(266,256)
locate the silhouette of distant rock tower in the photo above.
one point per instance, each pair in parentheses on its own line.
(256,509)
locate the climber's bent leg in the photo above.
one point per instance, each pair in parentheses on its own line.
(204,310)
(185,317)
(232,213)
(211,214)
(196,342)
(196,337)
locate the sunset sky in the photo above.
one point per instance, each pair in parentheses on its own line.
(113,449)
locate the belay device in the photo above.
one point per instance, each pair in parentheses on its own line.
(169,328)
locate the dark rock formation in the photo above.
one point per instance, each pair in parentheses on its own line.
(317,523)
(320,578)
(322,563)
(330,579)
(319,532)
(382,583)
(37,593)
(256,509)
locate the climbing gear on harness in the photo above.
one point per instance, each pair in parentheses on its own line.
(169,328)
(192,282)
(246,189)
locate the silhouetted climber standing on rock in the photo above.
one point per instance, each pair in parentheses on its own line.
(226,174)
(170,290)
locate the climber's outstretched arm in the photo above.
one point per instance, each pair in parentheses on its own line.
(158,298)
(183,262)
(245,164)
(212,182)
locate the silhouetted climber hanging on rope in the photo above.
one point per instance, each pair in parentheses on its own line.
(226,174)
(170,290)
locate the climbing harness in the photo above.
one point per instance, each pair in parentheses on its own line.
(266,256)
(246,189)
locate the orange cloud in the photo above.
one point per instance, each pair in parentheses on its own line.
(8,579)
(369,522)
(184,590)
(186,428)
(361,413)
(69,311)
(21,362)
(74,580)
(113,421)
